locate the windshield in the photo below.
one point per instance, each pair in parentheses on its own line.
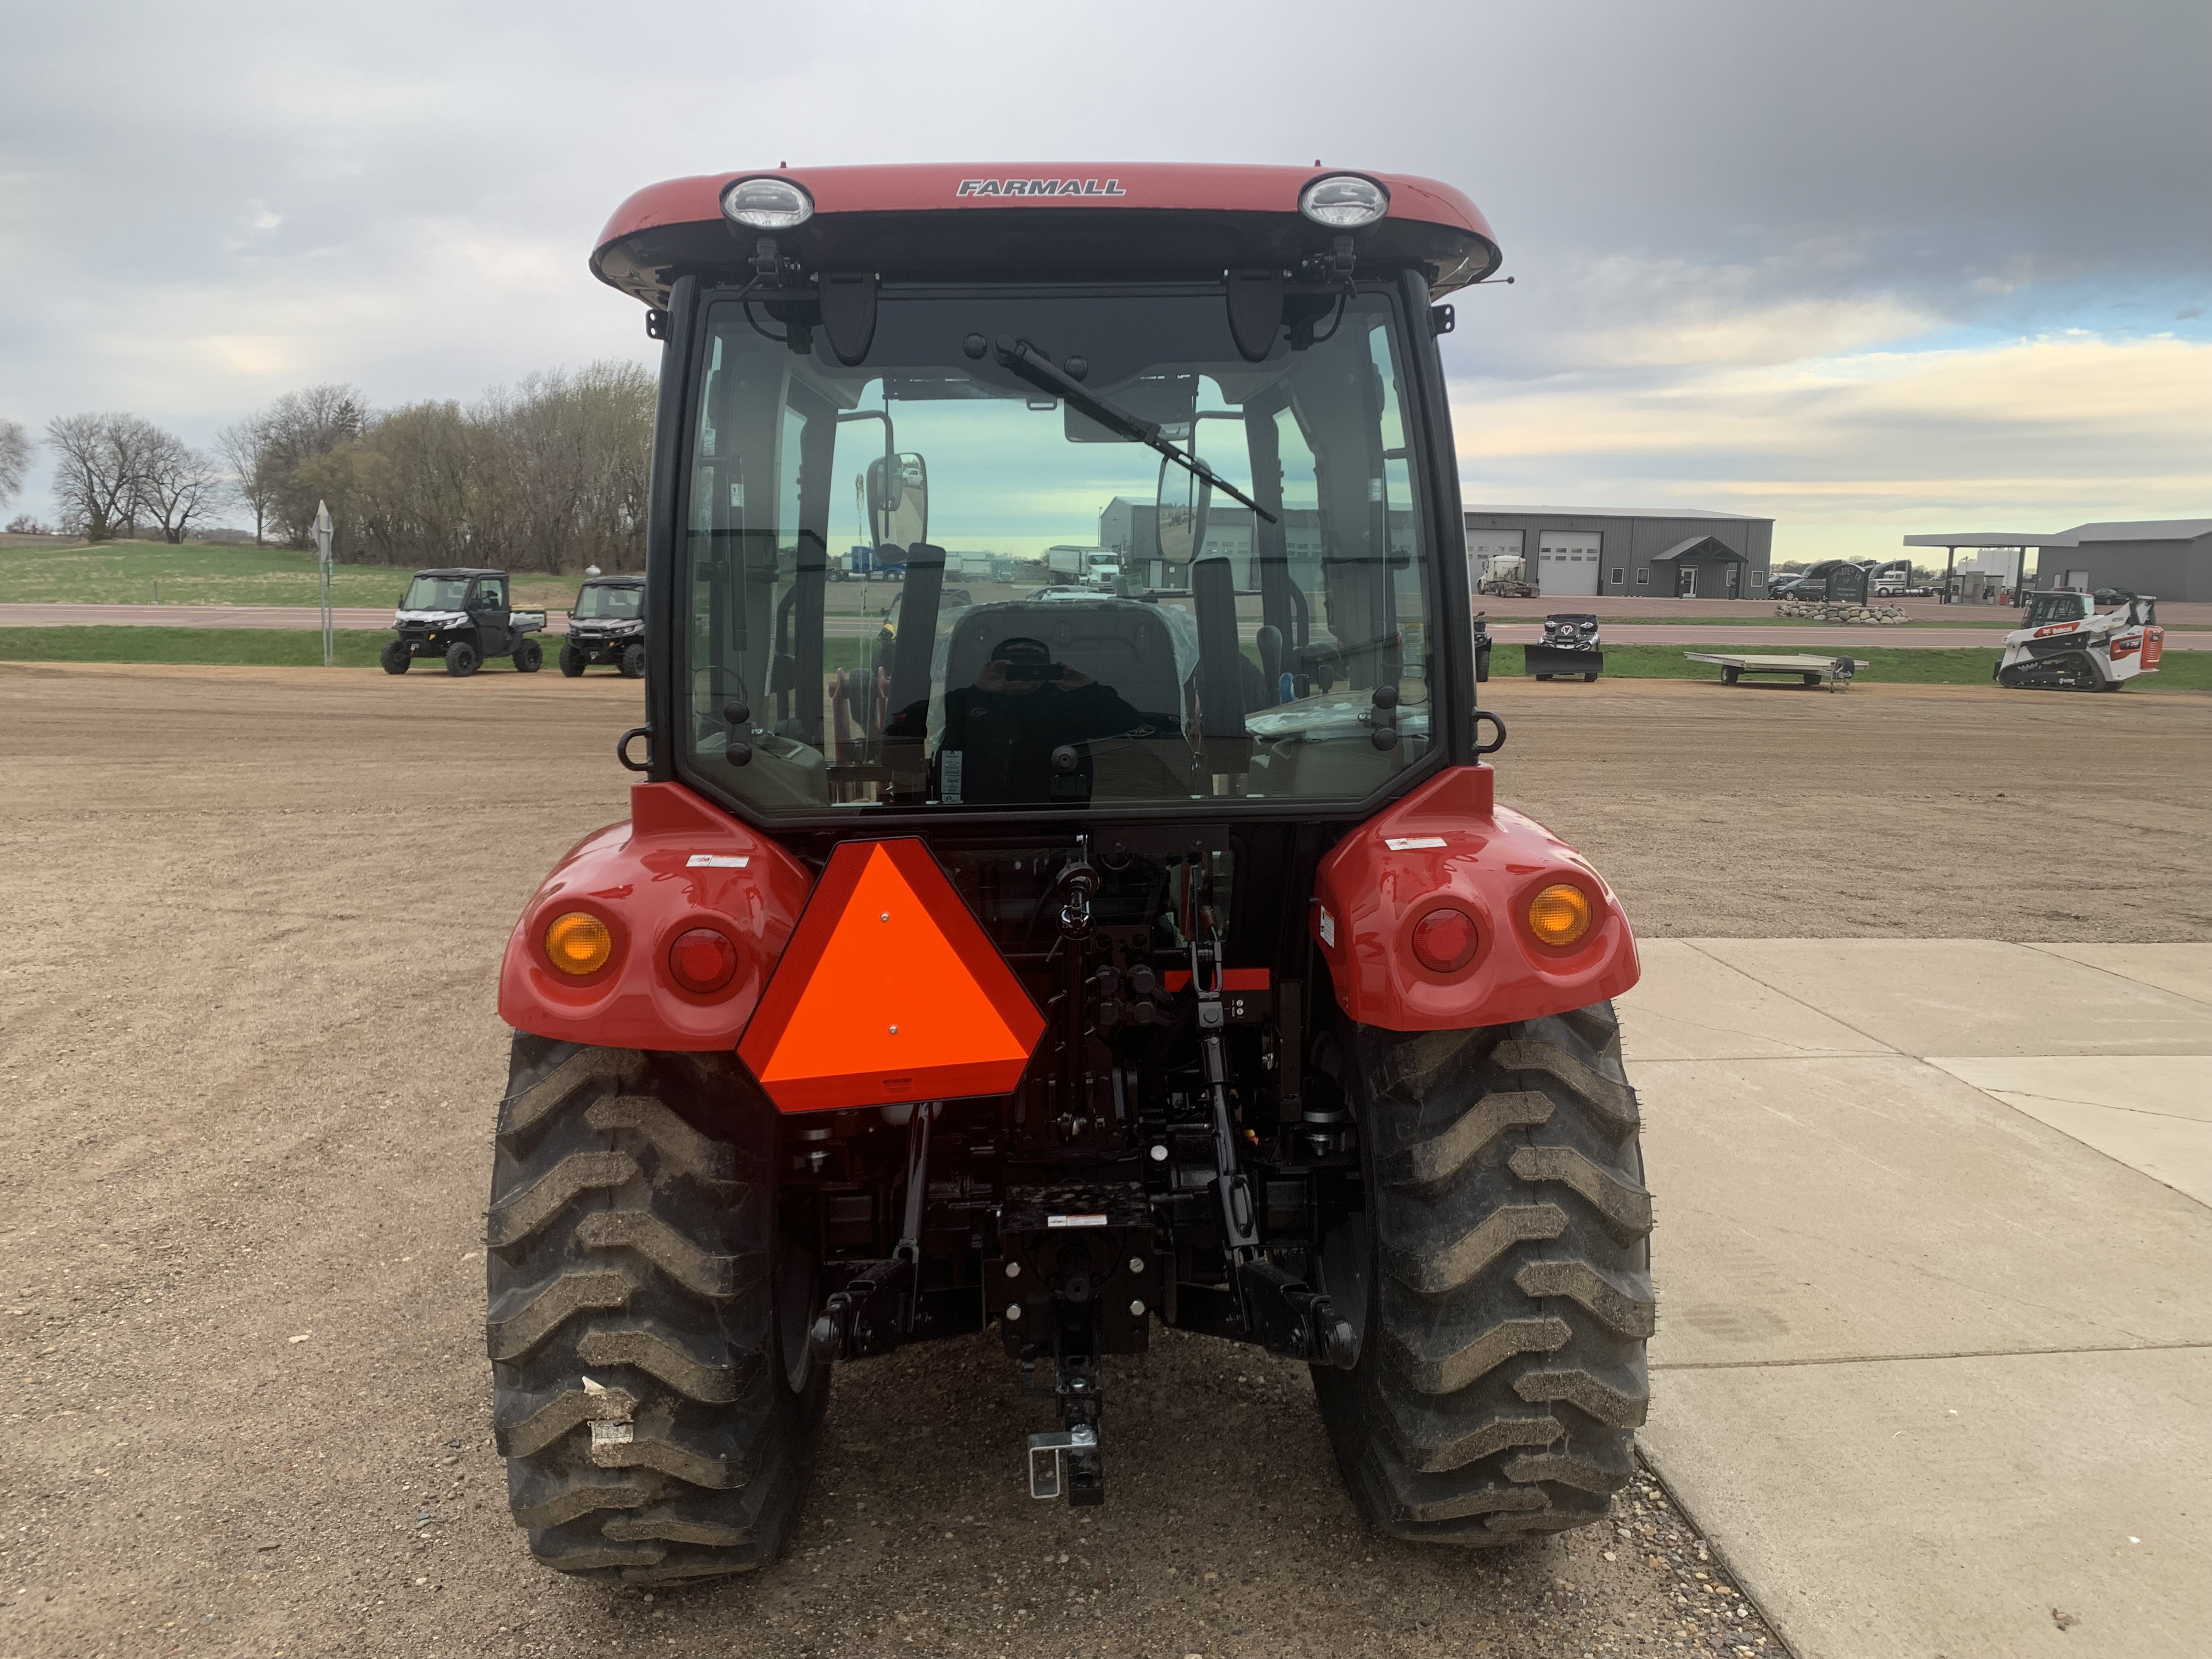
(2047,607)
(436,593)
(624,603)
(1289,659)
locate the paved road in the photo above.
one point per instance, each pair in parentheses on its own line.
(1739,636)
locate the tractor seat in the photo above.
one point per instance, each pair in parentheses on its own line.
(1135,649)
(1119,737)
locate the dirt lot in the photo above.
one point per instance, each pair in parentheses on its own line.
(251,1052)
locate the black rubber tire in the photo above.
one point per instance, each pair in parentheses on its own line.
(1505,1290)
(1730,676)
(572,662)
(462,659)
(529,657)
(652,1391)
(1543,676)
(1589,679)
(395,658)
(632,662)
(1812,679)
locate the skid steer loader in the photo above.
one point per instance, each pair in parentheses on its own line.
(1066,966)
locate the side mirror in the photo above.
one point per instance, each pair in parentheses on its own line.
(898,500)
(1182,500)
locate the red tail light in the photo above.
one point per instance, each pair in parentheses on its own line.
(1444,941)
(702,960)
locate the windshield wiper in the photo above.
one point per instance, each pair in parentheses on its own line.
(1033,365)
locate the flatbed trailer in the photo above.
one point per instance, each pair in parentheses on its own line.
(1835,672)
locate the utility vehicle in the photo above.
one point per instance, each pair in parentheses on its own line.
(2078,641)
(607,626)
(1568,647)
(461,614)
(1158,958)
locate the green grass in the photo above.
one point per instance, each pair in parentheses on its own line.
(265,648)
(2187,670)
(140,573)
(2009,620)
(2190,670)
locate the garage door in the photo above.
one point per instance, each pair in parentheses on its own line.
(1566,562)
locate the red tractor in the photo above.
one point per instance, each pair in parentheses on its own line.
(1074,960)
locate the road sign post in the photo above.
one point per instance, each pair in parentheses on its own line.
(323,572)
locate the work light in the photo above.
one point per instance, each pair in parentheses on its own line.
(767,204)
(1344,201)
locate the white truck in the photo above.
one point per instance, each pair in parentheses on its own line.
(1507,577)
(2077,641)
(1086,567)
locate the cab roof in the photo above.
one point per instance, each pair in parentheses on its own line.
(931,222)
(614,581)
(461,570)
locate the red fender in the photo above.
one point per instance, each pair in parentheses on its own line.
(647,880)
(1488,861)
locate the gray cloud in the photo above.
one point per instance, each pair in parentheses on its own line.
(402,195)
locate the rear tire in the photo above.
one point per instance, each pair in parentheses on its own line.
(529,657)
(1730,676)
(1589,679)
(395,658)
(461,660)
(1506,1284)
(651,1389)
(572,662)
(632,662)
(1543,676)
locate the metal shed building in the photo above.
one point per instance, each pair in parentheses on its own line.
(1649,552)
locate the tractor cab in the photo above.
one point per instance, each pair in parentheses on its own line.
(2066,605)
(1243,406)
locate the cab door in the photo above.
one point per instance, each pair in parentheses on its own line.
(487,607)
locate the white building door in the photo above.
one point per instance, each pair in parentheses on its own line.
(1566,562)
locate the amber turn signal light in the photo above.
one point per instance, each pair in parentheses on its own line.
(1444,941)
(1560,915)
(702,960)
(578,942)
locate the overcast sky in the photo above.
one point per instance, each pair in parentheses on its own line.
(1868,268)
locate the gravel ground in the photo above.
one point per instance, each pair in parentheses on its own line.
(251,1055)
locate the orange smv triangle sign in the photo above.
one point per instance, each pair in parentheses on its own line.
(890,990)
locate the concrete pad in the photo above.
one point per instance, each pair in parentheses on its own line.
(1867,1206)
(1869,1521)
(1688,1005)
(2152,1113)
(2183,969)
(2165,1085)
(1972,996)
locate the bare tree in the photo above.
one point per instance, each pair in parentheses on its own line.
(15,459)
(302,425)
(99,463)
(177,484)
(245,447)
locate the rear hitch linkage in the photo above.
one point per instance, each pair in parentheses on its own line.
(878,1309)
(1287,1315)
